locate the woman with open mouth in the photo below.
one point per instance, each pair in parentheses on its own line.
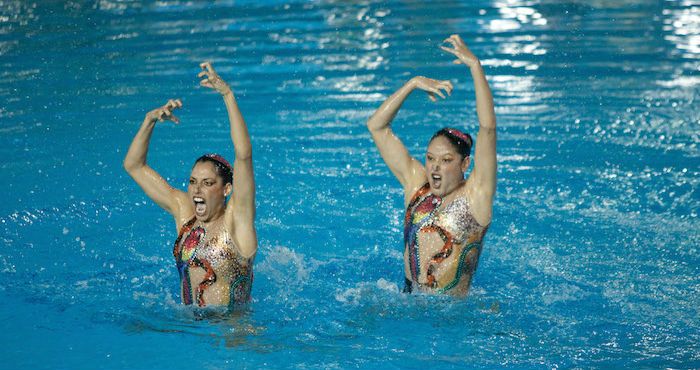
(217,241)
(447,215)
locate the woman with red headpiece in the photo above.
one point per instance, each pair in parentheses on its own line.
(446,215)
(217,241)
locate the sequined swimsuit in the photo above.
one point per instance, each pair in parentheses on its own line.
(459,232)
(218,257)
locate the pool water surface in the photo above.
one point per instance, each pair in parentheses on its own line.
(591,260)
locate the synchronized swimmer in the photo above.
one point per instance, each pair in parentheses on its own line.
(446,215)
(217,241)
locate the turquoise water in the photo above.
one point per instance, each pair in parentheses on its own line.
(591,261)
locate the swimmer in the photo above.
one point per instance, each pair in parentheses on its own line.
(446,216)
(217,240)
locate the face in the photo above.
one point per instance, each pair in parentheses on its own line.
(444,166)
(207,192)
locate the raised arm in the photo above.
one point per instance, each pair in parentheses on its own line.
(149,180)
(240,215)
(482,179)
(404,167)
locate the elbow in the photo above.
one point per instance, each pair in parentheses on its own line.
(372,125)
(244,155)
(130,166)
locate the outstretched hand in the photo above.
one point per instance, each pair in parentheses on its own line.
(165,113)
(212,80)
(461,51)
(432,87)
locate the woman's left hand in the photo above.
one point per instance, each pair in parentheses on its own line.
(461,51)
(212,80)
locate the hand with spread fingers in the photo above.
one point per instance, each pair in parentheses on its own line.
(165,113)
(461,51)
(212,80)
(432,86)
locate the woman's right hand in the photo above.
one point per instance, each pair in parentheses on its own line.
(431,86)
(165,113)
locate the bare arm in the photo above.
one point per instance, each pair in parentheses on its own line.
(240,216)
(482,180)
(405,168)
(149,180)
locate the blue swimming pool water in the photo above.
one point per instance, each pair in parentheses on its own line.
(591,261)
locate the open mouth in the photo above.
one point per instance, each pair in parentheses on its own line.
(200,207)
(437,180)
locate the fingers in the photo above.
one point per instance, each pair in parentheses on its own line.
(457,43)
(438,92)
(166,111)
(206,66)
(207,71)
(445,85)
(448,49)
(174,104)
(454,40)
(435,87)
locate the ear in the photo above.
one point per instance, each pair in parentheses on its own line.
(465,163)
(227,189)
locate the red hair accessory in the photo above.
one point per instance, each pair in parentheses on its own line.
(459,134)
(219,159)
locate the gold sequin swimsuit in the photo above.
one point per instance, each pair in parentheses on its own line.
(218,257)
(457,228)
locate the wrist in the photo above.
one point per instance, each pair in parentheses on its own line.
(412,83)
(473,63)
(148,120)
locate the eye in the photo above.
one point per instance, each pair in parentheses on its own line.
(208,183)
(191,182)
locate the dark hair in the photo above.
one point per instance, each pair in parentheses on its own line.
(461,141)
(221,166)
